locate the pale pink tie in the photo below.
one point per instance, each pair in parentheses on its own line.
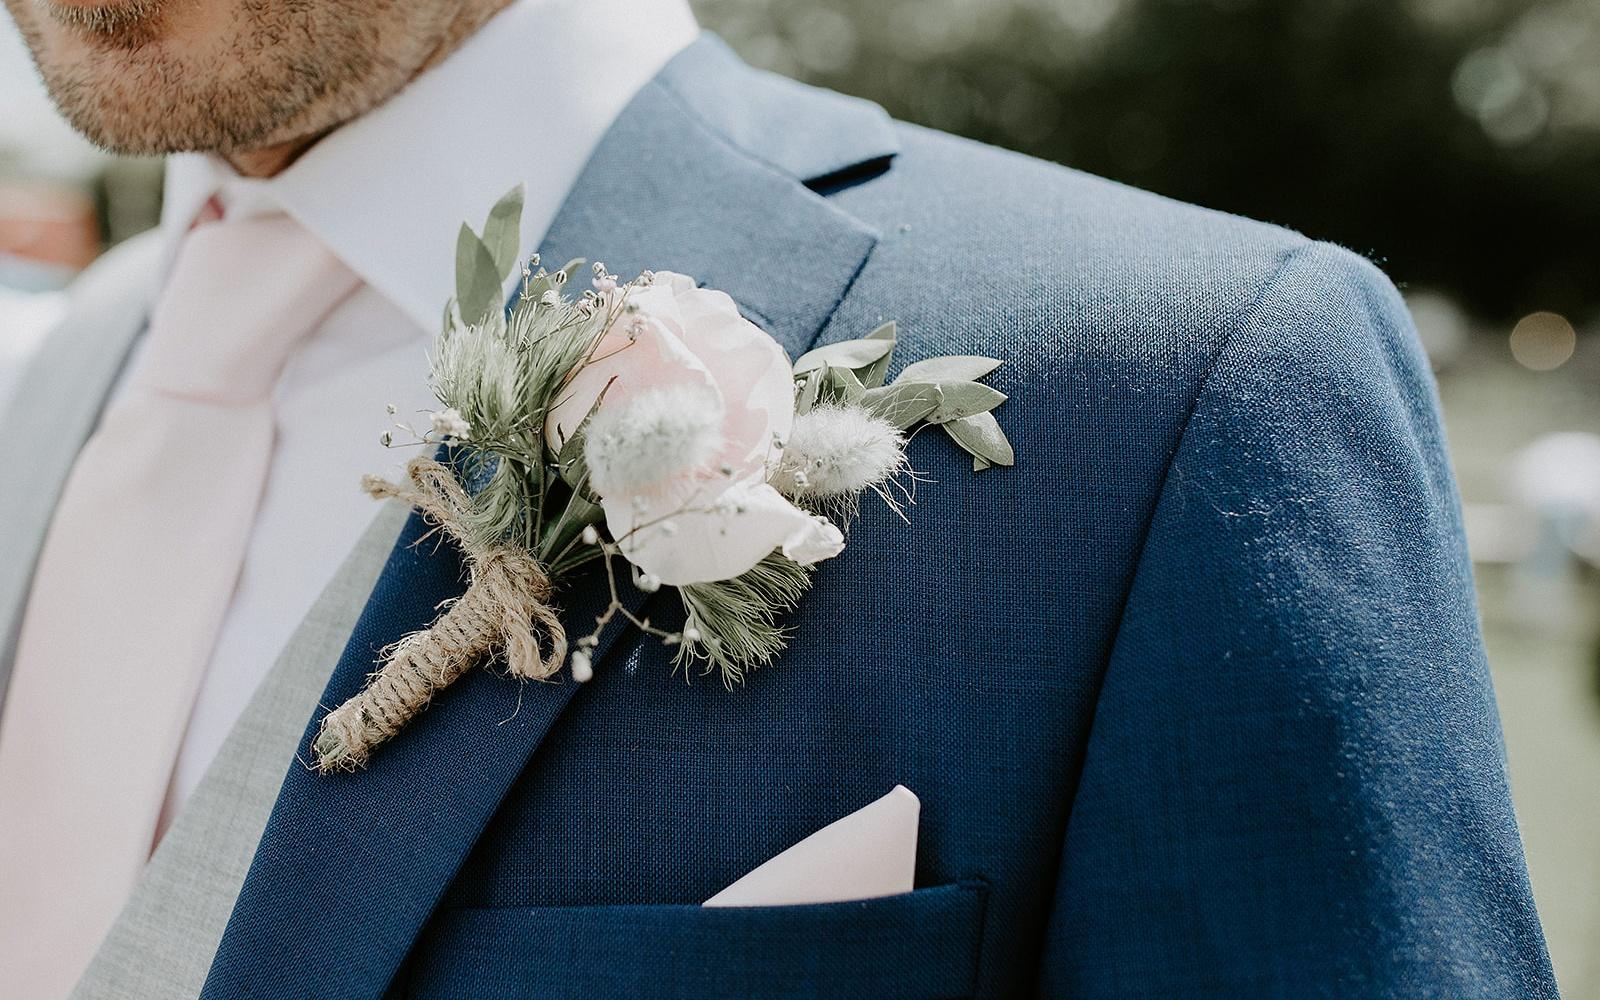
(137,571)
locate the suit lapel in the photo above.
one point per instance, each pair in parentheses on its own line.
(160,946)
(55,408)
(350,866)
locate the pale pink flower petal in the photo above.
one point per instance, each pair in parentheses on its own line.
(655,359)
(722,538)
(751,370)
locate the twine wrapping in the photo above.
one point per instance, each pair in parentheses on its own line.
(504,609)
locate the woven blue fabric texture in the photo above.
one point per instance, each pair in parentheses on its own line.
(922,944)
(1194,696)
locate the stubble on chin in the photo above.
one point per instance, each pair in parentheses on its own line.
(140,102)
(124,24)
(122,76)
(232,76)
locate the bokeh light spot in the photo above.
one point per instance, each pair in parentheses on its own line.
(1543,341)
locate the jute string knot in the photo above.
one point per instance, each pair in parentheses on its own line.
(505,610)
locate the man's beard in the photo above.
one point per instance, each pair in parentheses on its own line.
(123,23)
(276,67)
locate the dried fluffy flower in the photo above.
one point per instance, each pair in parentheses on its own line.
(657,435)
(838,451)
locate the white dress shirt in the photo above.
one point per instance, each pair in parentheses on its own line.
(525,100)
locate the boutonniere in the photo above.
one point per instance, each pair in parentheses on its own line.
(646,426)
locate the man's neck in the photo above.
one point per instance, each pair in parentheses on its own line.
(273,159)
(269,160)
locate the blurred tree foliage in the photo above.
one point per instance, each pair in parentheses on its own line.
(1455,141)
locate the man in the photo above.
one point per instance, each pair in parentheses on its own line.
(1193,697)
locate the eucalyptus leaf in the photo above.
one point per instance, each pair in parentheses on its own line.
(845,354)
(951,368)
(873,375)
(903,403)
(963,399)
(571,464)
(842,386)
(477,280)
(579,513)
(810,386)
(502,232)
(980,435)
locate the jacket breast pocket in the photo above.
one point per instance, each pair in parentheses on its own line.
(920,945)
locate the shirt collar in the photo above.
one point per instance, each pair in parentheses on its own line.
(524,101)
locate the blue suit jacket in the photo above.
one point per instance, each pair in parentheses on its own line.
(1194,696)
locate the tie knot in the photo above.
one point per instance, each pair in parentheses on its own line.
(241,295)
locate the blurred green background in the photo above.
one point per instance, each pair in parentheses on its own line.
(1456,142)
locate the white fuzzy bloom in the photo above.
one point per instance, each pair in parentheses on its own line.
(838,451)
(654,437)
(451,424)
(582,667)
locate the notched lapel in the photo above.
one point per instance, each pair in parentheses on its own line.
(350,866)
(680,184)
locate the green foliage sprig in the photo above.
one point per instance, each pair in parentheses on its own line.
(940,392)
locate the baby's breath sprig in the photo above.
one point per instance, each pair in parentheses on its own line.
(581,660)
(730,626)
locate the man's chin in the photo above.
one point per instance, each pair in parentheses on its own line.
(145,129)
(166,76)
(111,105)
(117,134)
(147,102)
